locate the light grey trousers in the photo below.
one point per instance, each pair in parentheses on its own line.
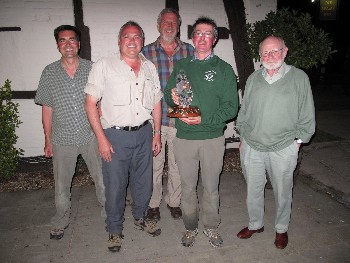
(280,166)
(209,154)
(64,164)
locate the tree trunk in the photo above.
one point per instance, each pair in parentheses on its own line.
(235,11)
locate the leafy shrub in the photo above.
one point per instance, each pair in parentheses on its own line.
(9,121)
(308,46)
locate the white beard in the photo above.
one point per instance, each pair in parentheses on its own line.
(272,66)
(169,38)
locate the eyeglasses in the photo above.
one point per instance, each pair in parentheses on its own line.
(273,53)
(207,34)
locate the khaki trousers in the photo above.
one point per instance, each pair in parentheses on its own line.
(173,193)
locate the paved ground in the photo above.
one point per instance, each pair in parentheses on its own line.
(319,229)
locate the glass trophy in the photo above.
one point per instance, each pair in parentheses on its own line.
(184,91)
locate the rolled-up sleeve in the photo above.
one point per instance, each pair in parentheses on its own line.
(95,83)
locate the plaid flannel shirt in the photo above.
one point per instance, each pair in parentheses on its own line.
(165,64)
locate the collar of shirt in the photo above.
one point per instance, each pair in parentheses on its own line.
(140,55)
(179,43)
(195,57)
(278,75)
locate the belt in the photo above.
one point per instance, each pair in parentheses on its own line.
(130,128)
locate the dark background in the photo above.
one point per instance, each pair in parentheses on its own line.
(338,30)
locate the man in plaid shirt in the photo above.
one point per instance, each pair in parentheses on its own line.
(164,53)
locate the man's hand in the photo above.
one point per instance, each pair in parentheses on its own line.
(105,149)
(175,96)
(48,150)
(156,144)
(192,120)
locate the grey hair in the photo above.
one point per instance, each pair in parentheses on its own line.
(167,11)
(275,37)
(131,23)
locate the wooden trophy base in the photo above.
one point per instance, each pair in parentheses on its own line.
(183,112)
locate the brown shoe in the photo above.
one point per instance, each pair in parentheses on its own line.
(153,213)
(246,233)
(281,240)
(175,212)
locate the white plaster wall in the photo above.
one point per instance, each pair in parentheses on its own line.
(31,137)
(25,53)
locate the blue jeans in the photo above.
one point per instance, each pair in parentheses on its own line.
(132,159)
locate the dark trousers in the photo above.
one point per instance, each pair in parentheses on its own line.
(131,163)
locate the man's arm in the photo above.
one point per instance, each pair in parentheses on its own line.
(47,125)
(157,122)
(104,147)
(306,123)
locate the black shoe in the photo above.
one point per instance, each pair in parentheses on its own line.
(153,213)
(175,212)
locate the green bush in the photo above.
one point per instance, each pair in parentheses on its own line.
(9,121)
(308,46)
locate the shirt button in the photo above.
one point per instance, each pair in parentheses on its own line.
(137,98)
(137,83)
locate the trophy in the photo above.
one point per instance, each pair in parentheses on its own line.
(184,91)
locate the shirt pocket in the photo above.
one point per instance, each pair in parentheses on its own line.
(123,96)
(148,94)
(118,91)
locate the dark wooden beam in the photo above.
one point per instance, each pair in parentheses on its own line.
(85,45)
(11,28)
(172,4)
(23,95)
